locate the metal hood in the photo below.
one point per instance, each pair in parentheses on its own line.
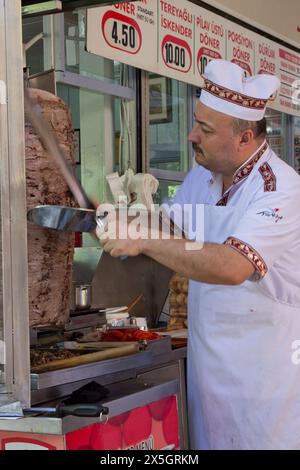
(40,7)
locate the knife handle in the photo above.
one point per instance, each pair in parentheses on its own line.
(81,410)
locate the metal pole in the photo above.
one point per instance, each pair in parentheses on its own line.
(13,204)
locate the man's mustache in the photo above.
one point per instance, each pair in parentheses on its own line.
(196,148)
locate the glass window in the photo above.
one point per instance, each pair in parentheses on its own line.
(166,190)
(168,119)
(77,60)
(37,43)
(276,125)
(2,349)
(104,132)
(297,144)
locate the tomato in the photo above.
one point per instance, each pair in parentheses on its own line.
(129,335)
(113,335)
(140,335)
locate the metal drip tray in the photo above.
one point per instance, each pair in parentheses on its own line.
(77,313)
(85,320)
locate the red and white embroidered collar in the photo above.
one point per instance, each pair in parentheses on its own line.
(244,171)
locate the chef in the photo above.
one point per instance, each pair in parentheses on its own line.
(244,290)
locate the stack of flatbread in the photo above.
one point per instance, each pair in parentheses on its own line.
(178,302)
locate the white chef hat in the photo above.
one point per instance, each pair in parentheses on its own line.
(227,90)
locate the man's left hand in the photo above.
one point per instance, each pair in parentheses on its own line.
(114,236)
(119,248)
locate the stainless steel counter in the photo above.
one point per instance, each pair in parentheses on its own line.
(109,371)
(133,381)
(87,371)
(52,385)
(124,397)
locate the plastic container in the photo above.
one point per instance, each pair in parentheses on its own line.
(117,319)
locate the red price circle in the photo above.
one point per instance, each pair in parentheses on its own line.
(176,53)
(121,32)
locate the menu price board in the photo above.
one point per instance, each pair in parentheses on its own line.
(209,40)
(177,39)
(289,68)
(124,32)
(240,49)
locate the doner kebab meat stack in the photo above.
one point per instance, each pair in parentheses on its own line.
(50,252)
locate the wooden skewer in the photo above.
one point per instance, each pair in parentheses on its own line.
(134,302)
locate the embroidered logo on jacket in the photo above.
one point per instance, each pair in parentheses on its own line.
(271,213)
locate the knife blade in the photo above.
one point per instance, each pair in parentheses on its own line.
(68,219)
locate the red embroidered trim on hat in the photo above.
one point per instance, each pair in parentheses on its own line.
(243,172)
(268,177)
(249,252)
(234,97)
